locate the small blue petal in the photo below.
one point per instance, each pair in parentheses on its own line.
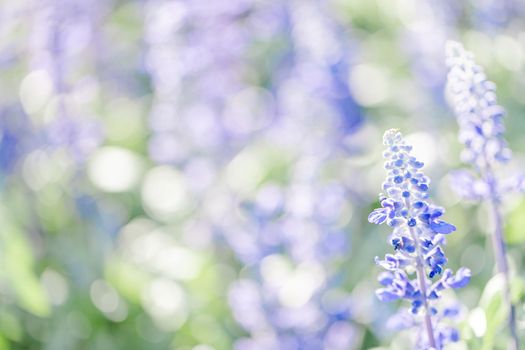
(419,205)
(467,185)
(433,295)
(410,248)
(385,278)
(454,335)
(393,222)
(424,217)
(417,303)
(396,243)
(390,263)
(451,312)
(398,205)
(461,279)
(442,227)
(385,294)
(436,212)
(436,270)
(378,216)
(423,187)
(386,202)
(427,243)
(398,179)
(416,164)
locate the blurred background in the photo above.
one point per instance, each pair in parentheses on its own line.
(196,175)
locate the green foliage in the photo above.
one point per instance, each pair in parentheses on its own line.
(514,233)
(18,264)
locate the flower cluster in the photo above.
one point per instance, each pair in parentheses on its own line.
(479,116)
(480,119)
(417,237)
(287,236)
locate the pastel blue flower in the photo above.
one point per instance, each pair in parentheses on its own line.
(479,115)
(418,234)
(481,130)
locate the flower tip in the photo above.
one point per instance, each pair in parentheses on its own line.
(465,271)
(391,136)
(454,48)
(453,44)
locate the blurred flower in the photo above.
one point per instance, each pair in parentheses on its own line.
(292,296)
(62,34)
(480,119)
(418,233)
(290,235)
(481,130)
(479,116)
(80,137)
(15,137)
(492,14)
(226,117)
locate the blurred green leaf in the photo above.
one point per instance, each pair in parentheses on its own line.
(517,286)
(4,344)
(514,232)
(491,303)
(10,327)
(18,265)
(127,279)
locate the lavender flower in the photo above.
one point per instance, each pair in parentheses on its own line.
(479,116)
(417,237)
(57,45)
(480,119)
(206,107)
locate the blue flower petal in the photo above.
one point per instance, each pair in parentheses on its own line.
(461,279)
(467,186)
(451,311)
(386,278)
(385,294)
(442,227)
(449,334)
(390,263)
(378,216)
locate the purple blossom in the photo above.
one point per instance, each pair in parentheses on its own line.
(479,116)
(481,130)
(417,237)
(210,103)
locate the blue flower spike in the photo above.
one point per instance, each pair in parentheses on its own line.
(481,130)
(415,271)
(479,116)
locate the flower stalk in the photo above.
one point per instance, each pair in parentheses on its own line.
(417,238)
(500,255)
(480,119)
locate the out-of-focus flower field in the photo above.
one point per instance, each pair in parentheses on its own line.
(197,174)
